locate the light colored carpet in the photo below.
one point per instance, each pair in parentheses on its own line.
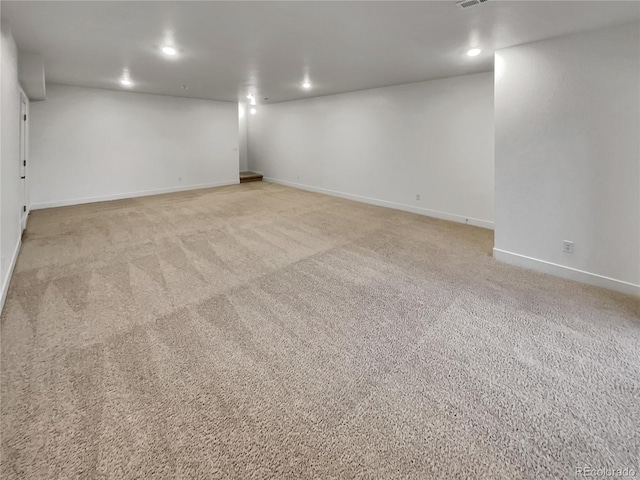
(258,331)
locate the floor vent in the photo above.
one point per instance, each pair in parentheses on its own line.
(470,3)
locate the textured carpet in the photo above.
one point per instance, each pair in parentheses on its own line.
(258,331)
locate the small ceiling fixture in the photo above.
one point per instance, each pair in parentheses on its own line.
(306,85)
(167,50)
(474,52)
(253,111)
(126,82)
(184,87)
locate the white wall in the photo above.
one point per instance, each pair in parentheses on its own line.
(568,156)
(10,184)
(243,140)
(89,144)
(31,75)
(386,145)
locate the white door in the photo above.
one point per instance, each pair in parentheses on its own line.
(23,162)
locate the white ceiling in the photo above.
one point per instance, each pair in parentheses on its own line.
(229,48)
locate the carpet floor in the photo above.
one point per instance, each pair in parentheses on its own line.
(259,331)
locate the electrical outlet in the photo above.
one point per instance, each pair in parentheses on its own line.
(179,179)
(567,246)
(418,196)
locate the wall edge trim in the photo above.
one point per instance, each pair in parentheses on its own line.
(569,273)
(121,196)
(388,204)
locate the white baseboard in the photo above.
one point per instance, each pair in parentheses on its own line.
(384,203)
(7,279)
(566,272)
(120,196)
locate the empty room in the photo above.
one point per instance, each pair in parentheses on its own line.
(320,240)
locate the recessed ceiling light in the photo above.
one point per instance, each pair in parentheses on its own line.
(253,111)
(126,82)
(167,50)
(306,85)
(474,52)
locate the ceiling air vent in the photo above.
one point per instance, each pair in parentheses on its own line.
(470,3)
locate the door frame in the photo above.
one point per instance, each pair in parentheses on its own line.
(24,160)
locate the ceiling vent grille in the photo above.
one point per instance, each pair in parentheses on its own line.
(470,3)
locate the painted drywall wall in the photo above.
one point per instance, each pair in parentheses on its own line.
(568,156)
(388,145)
(242,136)
(10,183)
(31,75)
(89,144)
